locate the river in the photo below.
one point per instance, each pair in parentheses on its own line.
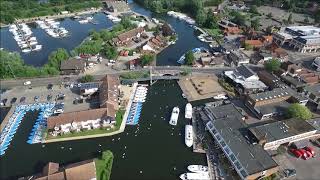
(186,38)
(158,149)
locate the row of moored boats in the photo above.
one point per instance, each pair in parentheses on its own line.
(197,172)
(188,128)
(181,16)
(113,18)
(22,34)
(53,28)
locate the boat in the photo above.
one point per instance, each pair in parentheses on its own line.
(220,96)
(26,50)
(37,48)
(184,96)
(188,111)
(195,176)
(174,116)
(83,21)
(188,136)
(198,168)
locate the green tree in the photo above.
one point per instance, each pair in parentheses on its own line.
(255,24)
(211,21)
(56,57)
(299,111)
(272,65)
(248,46)
(201,17)
(269,15)
(306,20)
(238,18)
(146,59)
(189,58)
(110,52)
(317,16)
(257,2)
(87,78)
(254,9)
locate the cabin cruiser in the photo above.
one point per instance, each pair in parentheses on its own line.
(195,176)
(188,111)
(198,168)
(174,116)
(188,136)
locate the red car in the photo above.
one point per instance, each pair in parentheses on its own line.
(296,152)
(304,153)
(310,150)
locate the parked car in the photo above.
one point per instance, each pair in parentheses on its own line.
(36,98)
(22,100)
(13,100)
(305,155)
(49,97)
(27,83)
(296,152)
(310,149)
(50,86)
(290,172)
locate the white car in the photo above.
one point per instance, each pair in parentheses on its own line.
(27,83)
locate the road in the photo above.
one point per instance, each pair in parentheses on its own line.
(7,84)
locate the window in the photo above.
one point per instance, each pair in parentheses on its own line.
(218,137)
(232,157)
(243,173)
(223,144)
(227,150)
(238,166)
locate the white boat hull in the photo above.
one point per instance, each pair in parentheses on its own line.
(188,111)
(174,116)
(198,168)
(188,139)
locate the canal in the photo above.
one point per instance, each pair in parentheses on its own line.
(154,147)
(187,38)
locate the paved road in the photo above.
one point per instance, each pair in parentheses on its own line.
(7,84)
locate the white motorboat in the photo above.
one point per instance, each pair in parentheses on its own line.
(220,96)
(188,111)
(188,136)
(83,21)
(198,168)
(195,176)
(37,48)
(174,116)
(26,50)
(32,43)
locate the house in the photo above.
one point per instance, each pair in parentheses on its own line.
(225,124)
(245,80)
(127,37)
(82,170)
(212,61)
(270,80)
(313,93)
(238,57)
(254,43)
(229,27)
(72,66)
(273,103)
(167,30)
(89,88)
(261,57)
(316,63)
(272,135)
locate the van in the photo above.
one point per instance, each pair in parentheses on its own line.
(27,83)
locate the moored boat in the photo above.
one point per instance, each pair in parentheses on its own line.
(198,168)
(188,111)
(188,136)
(195,176)
(174,116)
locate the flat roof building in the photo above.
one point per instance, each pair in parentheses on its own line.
(238,57)
(301,38)
(226,126)
(245,80)
(272,135)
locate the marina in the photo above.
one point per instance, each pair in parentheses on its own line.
(136,106)
(22,35)
(53,28)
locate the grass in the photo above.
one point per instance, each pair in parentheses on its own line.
(104,165)
(119,118)
(214,32)
(135,75)
(227,87)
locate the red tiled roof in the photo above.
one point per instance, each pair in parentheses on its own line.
(255,43)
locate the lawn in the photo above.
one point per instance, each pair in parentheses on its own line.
(214,32)
(104,165)
(119,117)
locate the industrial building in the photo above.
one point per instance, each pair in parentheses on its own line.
(301,38)
(226,125)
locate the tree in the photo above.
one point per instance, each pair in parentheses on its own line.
(254,9)
(189,58)
(238,18)
(146,59)
(186,71)
(110,52)
(56,57)
(211,21)
(126,22)
(248,46)
(201,17)
(87,78)
(306,20)
(257,2)
(272,65)
(290,19)
(255,24)
(299,111)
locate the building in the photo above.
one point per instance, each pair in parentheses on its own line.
(273,103)
(116,6)
(272,135)
(312,92)
(83,170)
(301,38)
(250,160)
(270,80)
(229,27)
(316,63)
(89,88)
(238,57)
(127,37)
(254,43)
(213,61)
(245,80)
(155,44)
(72,66)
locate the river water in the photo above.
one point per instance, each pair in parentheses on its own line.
(186,38)
(154,147)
